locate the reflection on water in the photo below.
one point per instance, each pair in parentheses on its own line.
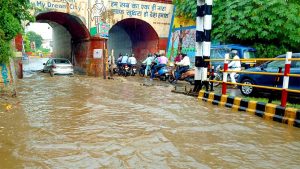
(87,122)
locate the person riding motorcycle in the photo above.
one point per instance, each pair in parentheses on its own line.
(131,61)
(161,62)
(148,62)
(184,66)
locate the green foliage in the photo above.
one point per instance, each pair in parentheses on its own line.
(34,37)
(272,26)
(26,42)
(12,12)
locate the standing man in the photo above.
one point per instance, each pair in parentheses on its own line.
(234,65)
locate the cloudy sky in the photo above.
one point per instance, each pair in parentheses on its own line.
(43,29)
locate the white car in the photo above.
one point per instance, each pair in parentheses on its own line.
(58,66)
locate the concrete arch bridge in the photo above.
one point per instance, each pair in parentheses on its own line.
(82,29)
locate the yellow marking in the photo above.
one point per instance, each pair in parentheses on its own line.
(270,111)
(251,107)
(294,91)
(236,103)
(249,60)
(210,97)
(289,116)
(201,94)
(223,100)
(8,107)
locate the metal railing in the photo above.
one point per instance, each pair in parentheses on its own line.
(286,74)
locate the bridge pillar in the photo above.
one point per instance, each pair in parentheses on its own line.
(95,66)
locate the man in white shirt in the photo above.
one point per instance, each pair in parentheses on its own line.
(184,66)
(234,65)
(124,59)
(131,61)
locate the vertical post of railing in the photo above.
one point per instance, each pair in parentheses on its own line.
(225,73)
(212,76)
(285,85)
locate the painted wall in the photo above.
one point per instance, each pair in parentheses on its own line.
(103,14)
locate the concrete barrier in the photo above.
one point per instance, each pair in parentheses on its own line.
(290,116)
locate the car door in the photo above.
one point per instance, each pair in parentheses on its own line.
(48,65)
(294,82)
(272,67)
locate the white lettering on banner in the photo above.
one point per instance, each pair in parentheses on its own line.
(153,10)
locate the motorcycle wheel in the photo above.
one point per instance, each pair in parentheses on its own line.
(217,78)
(163,78)
(142,72)
(171,79)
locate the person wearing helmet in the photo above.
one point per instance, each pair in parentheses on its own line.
(234,65)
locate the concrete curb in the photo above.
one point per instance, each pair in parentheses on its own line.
(290,116)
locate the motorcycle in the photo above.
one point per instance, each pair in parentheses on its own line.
(142,70)
(163,73)
(133,70)
(123,70)
(187,76)
(219,76)
(115,69)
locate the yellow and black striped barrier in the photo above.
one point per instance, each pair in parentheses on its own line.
(290,116)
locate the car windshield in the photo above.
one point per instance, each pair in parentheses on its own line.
(276,64)
(62,61)
(249,54)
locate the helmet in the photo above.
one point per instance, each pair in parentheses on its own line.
(235,52)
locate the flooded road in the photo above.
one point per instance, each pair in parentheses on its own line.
(88,122)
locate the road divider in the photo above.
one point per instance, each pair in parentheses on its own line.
(267,111)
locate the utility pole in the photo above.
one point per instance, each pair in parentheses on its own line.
(203,42)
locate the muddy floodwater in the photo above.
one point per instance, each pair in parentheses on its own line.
(88,122)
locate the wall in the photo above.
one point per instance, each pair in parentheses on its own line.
(120,40)
(61,42)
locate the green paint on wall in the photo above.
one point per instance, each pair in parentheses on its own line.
(93,31)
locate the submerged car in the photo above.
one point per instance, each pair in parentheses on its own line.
(58,66)
(269,80)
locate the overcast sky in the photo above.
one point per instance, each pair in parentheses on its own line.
(43,29)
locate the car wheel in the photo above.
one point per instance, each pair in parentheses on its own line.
(247,90)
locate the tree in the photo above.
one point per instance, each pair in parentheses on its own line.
(271,26)
(12,12)
(34,37)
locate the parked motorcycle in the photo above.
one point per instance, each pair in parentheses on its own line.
(187,76)
(219,76)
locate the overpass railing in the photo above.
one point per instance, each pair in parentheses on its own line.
(286,74)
